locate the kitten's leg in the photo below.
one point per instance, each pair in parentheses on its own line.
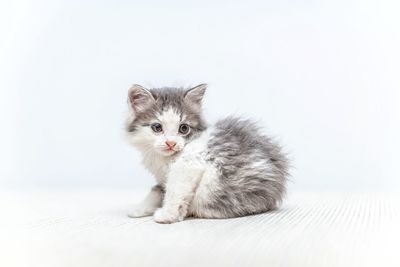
(152,202)
(182,181)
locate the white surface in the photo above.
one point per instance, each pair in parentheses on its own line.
(322,75)
(78,228)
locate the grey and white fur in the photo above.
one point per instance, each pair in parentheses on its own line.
(225,170)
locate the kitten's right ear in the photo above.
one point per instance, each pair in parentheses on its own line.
(139,98)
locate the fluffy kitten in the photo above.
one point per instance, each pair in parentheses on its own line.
(223,171)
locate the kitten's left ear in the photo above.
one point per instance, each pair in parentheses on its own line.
(195,94)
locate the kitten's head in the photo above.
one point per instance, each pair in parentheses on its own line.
(164,120)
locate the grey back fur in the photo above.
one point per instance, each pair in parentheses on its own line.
(253,169)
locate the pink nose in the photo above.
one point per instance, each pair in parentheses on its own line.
(170,144)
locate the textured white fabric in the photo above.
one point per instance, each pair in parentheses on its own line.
(90,228)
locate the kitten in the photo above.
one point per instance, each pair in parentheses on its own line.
(223,171)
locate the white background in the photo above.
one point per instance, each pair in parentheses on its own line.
(322,76)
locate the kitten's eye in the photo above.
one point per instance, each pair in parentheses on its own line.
(156,127)
(184,129)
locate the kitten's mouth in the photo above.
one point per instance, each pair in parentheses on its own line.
(169,151)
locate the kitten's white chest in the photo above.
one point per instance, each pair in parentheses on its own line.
(157,165)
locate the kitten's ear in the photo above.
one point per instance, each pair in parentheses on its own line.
(195,94)
(139,98)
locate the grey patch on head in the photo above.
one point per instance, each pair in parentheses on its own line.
(184,101)
(253,169)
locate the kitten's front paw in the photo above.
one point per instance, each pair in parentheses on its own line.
(163,215)
(140,211)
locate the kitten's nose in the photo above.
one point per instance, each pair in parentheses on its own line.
(170,144)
